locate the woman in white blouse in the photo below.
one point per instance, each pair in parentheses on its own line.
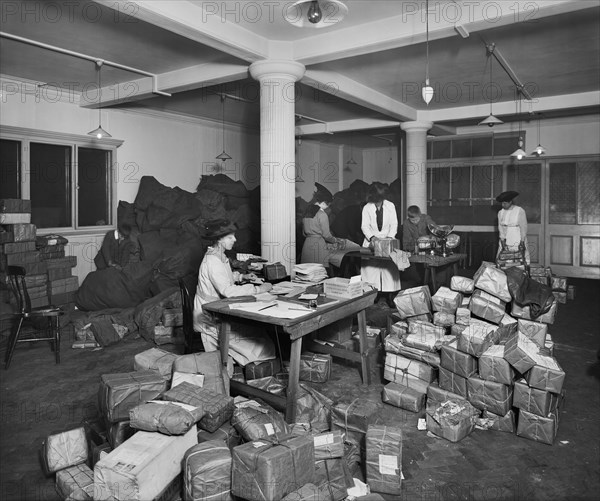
(216,280)
(379,220)
(512,225)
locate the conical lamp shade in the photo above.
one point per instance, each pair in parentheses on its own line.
(223,156)
(99,133)
(539,151)
(491,121)
(518,154)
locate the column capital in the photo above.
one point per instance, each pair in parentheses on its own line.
(279,68)
(416,126)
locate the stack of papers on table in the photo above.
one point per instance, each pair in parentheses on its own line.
(311,273)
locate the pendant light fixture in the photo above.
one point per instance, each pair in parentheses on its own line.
(539,150)
(223,156)
(351,162)
(99,132)
(427,91)
(519,153)
(315,13)
(491,120)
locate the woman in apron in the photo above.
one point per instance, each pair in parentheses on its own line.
(512,225)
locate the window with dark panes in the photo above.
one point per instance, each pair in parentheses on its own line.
(49,179)
(461,148)
(440,186)
(588,181)
(461,186)
(527,180)
(10,164)
(563,193)
(93,186)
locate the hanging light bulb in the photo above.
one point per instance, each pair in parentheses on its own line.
(519,153)
(99,132)
(539,150)
(427,91)
(223,156)
(491,120)
(351,162)
(314,12)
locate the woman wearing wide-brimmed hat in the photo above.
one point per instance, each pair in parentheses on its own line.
(512,225)
(319,241)
(216,280)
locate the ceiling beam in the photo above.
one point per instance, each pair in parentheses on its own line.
(344,126)
(539,105)
(345,88)
(201,24)
(191,78)
(409,28)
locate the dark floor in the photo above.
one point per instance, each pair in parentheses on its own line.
(39,398)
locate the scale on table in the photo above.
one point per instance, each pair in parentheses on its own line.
(446,241)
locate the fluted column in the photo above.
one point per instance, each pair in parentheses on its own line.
(277,161)
(416,163)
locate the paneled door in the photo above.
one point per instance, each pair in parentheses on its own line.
(572,217)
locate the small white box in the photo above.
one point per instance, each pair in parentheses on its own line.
(343,288)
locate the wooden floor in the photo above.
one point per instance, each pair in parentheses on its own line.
(39,397)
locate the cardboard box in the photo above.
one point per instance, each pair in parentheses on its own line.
(452,382)
(443,319)
(475,339)
(336,332)
(452,419)
(15,205)
(142,467)
(532,400)
(435,394)
(457,361)
(255,421)
(226,433)
(172,317)
(353,418)
(170,418)
(546,375)
(208,364)
(463,316)
(413,301)
(506,423)
(76,483)
(267,471)
(119,393)
(270,384)
(22,232)
(329,445)
(384,459)
(394,344)
(403,397)
(446,300)
(507,328)
(536,331)
(494,367)
(333,478)
(382,247)
(486,306)
(399,364)
(462,284)
(207,471)
(14,218)
(424,335)
(539,428)
(493,281)
(314,367)
(521,352)
(156,360)
(489,395)
(62,450)
(257,370)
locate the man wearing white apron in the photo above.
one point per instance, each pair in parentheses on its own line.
(512,225)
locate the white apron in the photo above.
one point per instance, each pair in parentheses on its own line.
(508,222)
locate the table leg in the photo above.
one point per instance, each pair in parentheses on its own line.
(224,330)
(364,348)
(426,275)
(433,280)
(294,378)
(455,268)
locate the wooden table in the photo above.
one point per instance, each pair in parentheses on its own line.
(431,263)
(296,329)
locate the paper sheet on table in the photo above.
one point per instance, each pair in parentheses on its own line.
(275,309)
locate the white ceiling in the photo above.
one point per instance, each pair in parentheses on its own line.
(363,73)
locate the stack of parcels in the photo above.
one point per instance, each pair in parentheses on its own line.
(492,356)
(541,274)
(62,284)
(559,288)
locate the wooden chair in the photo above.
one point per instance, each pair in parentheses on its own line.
(48,315)
(192,339)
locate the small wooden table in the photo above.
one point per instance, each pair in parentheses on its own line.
(296,329)
(431,263)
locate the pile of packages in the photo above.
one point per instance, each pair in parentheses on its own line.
(169,428)
(473,357)
(49,277)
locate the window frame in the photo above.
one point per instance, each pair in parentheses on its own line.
(74,142)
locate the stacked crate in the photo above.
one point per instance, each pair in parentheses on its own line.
(48,271)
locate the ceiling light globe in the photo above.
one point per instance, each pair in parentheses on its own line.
(427,94)
(314,13)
